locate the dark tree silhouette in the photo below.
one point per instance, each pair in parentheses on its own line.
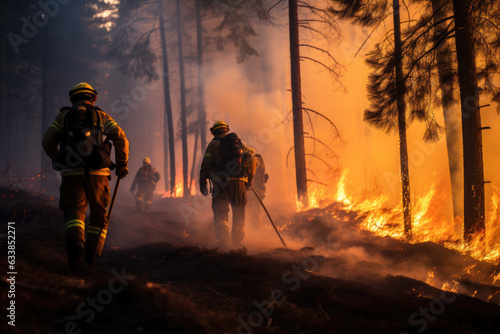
(441,10)
(136,56)
(474,219)
(305,21)
(202,114)
(32,57)
(387,87)
(185,167)
(298,124)
(400,97)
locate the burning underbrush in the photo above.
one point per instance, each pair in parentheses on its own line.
(365,241)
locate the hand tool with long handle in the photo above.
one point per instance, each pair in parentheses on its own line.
(113,198)
(262,203)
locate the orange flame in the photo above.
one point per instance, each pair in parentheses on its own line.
(428,223)
(177,192)
(341,192)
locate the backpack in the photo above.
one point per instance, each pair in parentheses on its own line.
(82,142)
(237,160)
(249,163)
(230,146)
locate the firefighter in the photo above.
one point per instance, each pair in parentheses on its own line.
(259,184)
(229,188)
(84,167)
(146,178)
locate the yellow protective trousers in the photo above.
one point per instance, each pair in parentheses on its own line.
(77,193)
(232,193)
(144,192)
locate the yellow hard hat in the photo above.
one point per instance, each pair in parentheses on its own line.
(219,125)
(82,87)
(146,160)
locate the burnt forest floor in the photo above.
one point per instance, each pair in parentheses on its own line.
(340,280)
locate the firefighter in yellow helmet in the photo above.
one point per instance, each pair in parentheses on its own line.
(77,146)
(146,178)
(223,165)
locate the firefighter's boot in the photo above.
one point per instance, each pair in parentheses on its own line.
(139,202)
(95,243)
(238,232)
(222,234)
(75,252)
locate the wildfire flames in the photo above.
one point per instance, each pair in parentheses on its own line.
(178,191)
(428,223)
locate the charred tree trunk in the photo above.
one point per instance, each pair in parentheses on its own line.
(474,219)
(298,128)
(185,167)
(451,115)
(202,116)
(45,161)
(169,148)
(403,146)
(193,165)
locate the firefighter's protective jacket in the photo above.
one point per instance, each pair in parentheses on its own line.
(213,160)
(146,174)
(54,135)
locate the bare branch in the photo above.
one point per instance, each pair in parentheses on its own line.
(329,69)
(315,156)
(312,172)
(322,50)
(316,31)
(318,182)
(312,128)
(322,143)
(329,121)
(284,119)
(288,154)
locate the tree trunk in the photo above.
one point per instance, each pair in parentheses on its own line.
(46,119)
(451,115)
(193,165)
(185,167)
(169,148)
(298,128)
(202,116)
(403,146)
(474,219)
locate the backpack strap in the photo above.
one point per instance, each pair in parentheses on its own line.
(92,112)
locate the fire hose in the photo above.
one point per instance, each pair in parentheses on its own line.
(268,215)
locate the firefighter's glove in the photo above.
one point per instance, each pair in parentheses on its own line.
(203,188)
(121,171)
